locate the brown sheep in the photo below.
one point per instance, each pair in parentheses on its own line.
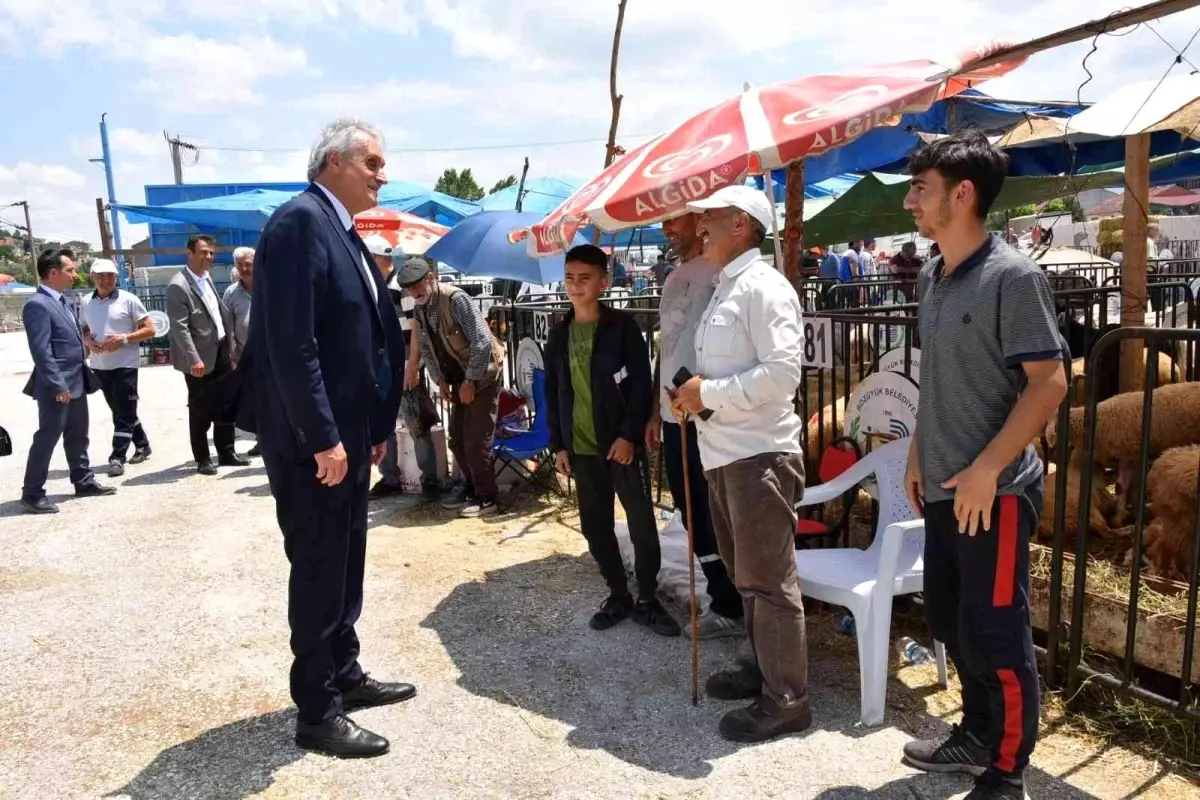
(1170,537)
(1109,376)
(1174,422)
(1101,507)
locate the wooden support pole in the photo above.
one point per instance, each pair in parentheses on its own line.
(610,150)
(793,224)
(106,243)
(1133,268)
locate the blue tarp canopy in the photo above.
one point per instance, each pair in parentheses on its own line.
(543,195)
(244,211)
(250,210)
(887,149)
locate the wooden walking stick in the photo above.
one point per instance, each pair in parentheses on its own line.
(691,557)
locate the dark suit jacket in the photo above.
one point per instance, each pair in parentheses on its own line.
(328,362)
(56,344)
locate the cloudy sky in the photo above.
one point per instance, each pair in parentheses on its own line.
(252,81)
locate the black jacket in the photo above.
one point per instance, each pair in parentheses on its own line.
(619,409)
(328,357)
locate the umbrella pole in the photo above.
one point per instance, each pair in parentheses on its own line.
(691,556)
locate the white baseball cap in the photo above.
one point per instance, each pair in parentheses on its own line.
(378,245)
(753,201)
(103,266)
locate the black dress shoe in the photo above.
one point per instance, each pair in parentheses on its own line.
(140,455)
(207,468)
(254,452)
(39,506)
(340,737)
(233,460)
(372,693)
(93,489)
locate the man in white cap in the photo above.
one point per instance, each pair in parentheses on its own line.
(235,310)
(114,323)
(748,354)
(416,407)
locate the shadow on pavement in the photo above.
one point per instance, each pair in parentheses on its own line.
(168,475)
(234,761)
(520,636)
(941,787)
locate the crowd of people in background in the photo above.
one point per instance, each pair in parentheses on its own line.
(862,260)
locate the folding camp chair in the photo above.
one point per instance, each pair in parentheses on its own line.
(513,447)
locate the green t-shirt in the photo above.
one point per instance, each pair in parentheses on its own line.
(582,337)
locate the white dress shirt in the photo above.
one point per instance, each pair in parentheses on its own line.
(748,348)
(347,225)
(208,295)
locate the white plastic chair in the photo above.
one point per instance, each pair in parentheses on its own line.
(864,581)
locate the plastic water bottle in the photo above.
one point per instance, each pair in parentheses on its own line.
(912,652)
(846,628)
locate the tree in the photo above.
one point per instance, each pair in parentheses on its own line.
(998,220)
(511,180)
(1062,205)
(459,184)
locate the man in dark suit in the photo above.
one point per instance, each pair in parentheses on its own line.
(58,383)
(327,354)
(200,349)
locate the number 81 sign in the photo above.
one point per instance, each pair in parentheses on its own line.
(818,342)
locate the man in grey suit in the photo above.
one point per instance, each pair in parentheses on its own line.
(58,383)
(200,349)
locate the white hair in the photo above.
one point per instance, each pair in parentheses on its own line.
(242,253)
(342,137)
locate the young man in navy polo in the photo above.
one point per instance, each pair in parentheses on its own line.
(991,375)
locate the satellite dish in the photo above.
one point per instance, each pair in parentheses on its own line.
(162,323)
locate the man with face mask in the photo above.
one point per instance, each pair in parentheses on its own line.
(416,407)
(465,359)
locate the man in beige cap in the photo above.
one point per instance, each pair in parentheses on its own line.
(748,355)
(114,323)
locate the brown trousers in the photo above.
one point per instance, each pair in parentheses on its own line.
(472,431)
(754,518)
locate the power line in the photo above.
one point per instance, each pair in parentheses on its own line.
(460,149)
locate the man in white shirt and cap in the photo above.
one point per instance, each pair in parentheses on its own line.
(748,355)
(115,322)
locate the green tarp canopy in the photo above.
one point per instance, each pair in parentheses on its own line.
(875,205)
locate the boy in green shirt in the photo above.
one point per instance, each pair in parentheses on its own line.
(598,398)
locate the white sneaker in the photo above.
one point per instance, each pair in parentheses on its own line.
(711,625)
(479,508)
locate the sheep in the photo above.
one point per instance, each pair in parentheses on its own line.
(1170,537)
(1108,375)
(1101,506)
(817,440)
(1174,422)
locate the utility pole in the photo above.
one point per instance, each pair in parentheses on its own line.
(176,163)
(29,233)
(177,145)
(106,160)
(521,185)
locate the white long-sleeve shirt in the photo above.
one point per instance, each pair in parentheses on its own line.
(748,348)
